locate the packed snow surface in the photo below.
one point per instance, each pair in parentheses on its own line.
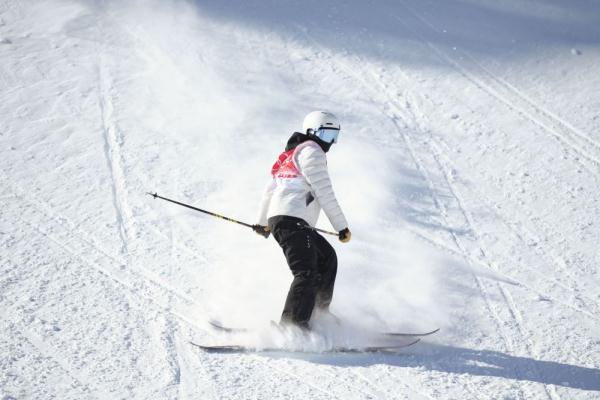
(468,167)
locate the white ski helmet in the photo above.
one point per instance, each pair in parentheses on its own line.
(322,124)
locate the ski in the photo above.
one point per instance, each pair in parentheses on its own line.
(415,334)
(218,326)
(233,348)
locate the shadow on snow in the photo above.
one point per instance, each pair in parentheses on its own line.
(459,360)
(390,29)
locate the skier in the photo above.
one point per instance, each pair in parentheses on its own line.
(291,204)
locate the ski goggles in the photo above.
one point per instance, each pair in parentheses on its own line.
(328,135)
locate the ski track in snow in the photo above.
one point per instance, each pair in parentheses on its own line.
(549,127)
(512,308)
(558,120)
(139,294)
(40,212)
(507,297)
(505,92)
(104,265)
(525,236)
(115,158)
(113,152)
(521,104)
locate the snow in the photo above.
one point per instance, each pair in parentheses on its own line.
(468,166)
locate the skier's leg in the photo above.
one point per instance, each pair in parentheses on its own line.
(300,300)
(300,252)
(327,269)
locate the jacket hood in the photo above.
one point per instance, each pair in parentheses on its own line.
(298,138)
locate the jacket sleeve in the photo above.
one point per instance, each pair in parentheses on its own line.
(312,163)
(264,203)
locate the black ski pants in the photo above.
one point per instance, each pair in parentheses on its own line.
(313,263)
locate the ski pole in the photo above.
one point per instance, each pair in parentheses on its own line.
(155,195)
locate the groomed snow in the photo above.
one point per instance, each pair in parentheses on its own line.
(468,166)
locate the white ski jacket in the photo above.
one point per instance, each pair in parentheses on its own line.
(300,187)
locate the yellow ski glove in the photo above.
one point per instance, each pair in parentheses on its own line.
(262,230)
(344,235)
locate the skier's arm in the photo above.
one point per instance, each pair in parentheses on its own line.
(313,165)
(264,203)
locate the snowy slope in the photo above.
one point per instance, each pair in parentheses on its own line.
(468,167)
